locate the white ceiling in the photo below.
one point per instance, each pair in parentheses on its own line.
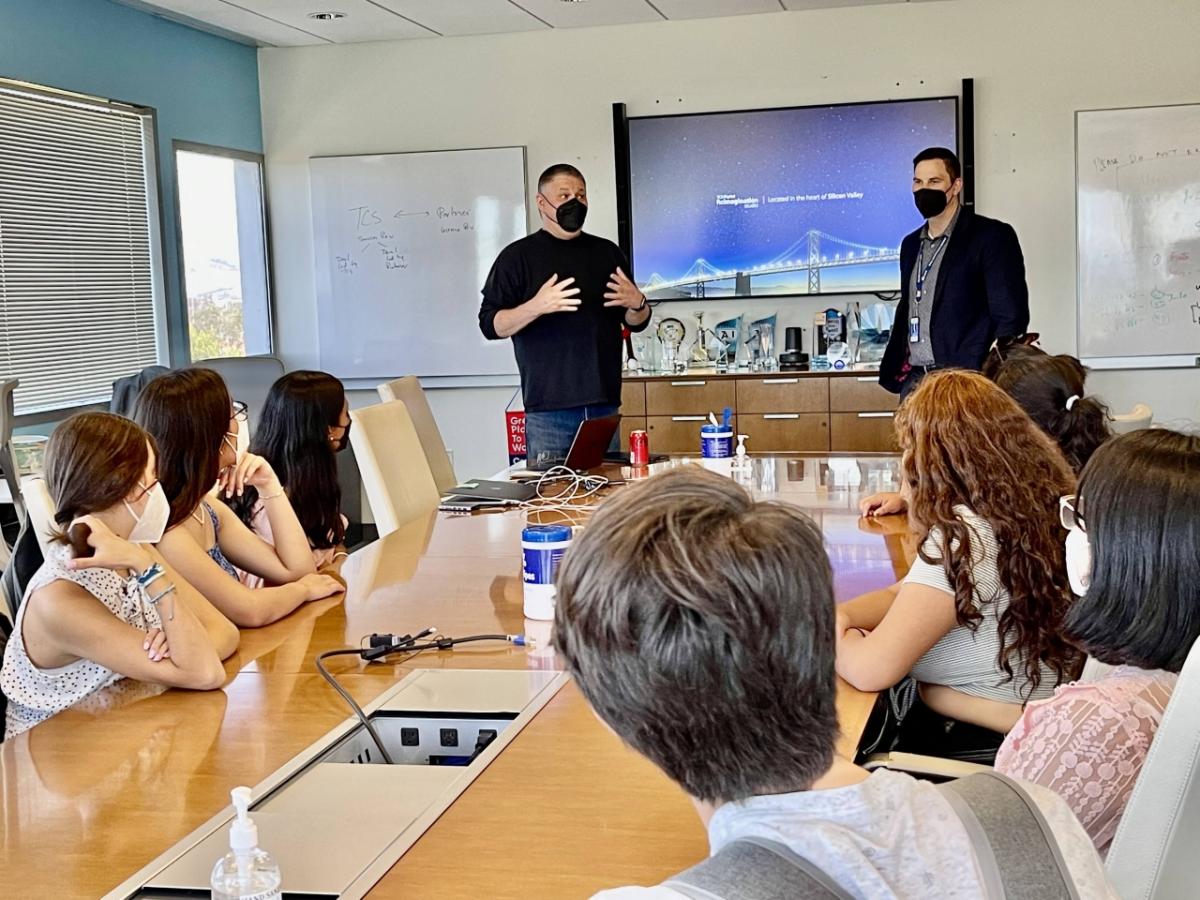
(286,23)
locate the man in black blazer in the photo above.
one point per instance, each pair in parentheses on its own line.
(962,281)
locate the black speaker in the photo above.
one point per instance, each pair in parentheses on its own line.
(792,339)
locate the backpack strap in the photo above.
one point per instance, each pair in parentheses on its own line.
(756,869)
(1018,855)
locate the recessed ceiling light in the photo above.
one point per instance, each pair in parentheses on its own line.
(326,16)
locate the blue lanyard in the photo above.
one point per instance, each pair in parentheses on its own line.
(925,267)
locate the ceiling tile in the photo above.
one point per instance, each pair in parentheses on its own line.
(560,14)
(830,4)
(233,17)
(703,9)
(459,17)
(364,21)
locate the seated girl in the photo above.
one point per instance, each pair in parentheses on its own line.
(1132,554)
(305,423)
(113,608)
(1051,390)
(977,621)
(198,430)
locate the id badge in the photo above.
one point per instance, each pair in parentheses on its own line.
(914,330)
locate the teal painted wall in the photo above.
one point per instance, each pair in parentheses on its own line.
(203,88)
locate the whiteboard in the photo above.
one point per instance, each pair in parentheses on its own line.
(403,242)
(1137,180)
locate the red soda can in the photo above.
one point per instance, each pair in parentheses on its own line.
(639,448)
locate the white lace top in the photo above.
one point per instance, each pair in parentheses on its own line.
(35,694)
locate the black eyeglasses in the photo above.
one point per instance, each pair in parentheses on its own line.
(239,411)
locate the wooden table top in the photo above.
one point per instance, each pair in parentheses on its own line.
(92,795)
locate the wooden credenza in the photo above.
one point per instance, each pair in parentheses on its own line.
(785,412)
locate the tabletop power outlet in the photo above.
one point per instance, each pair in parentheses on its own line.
(425,740)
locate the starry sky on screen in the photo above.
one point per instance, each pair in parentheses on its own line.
(743,189)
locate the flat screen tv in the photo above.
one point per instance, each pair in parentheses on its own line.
(776,202)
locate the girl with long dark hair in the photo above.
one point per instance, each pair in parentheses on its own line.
(304,423)
(197,427)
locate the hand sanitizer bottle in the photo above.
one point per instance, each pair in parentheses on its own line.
(245,872)
(740,458)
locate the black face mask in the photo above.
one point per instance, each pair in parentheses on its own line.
(569,215)
(344,441)
(930,202)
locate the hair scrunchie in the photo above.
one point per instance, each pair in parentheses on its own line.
(1072,400)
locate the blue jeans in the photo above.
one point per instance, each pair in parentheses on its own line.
(548,435)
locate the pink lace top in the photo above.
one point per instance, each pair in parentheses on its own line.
(1087,743)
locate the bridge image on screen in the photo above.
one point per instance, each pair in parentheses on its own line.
(810,200)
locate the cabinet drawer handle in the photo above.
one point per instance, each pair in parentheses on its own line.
(878,415)
(781,381)
(870,378)
(689,418)
(782,416)
(688,383)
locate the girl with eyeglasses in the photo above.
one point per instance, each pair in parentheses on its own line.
(305,423)
(199,431)
(1132,554)
(105,605)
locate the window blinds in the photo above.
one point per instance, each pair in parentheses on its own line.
(77,278)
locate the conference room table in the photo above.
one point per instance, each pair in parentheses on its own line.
(96,792)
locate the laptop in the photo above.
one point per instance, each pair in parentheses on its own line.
(589,447)
(499,491)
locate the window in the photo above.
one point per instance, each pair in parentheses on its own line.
(223,251)
(80,282)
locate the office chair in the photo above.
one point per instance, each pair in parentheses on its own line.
(409,391)
(1141,416)
(395,473)
(249,379)
(1152,856)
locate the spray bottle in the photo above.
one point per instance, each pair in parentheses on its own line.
(245,872)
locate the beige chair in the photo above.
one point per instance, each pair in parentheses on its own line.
(395,474)
(41,508)
(1141,416)
(409,391)
(1153,855)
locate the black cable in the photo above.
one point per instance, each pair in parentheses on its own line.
(362,717)
(409,646)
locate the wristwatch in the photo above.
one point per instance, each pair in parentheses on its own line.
(641,305)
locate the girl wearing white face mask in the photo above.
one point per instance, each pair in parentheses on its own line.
(88,621)
(201,435)
(1132,553)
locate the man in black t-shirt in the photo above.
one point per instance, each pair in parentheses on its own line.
(563,297)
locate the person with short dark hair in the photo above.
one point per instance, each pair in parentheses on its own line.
(1133,551)
(699,625)
(563,296)
(962,281)
(1051,390)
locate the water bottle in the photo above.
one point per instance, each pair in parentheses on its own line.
(245,872)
